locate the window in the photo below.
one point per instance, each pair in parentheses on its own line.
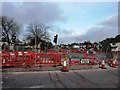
(113,43)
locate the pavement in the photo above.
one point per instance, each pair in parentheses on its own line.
(50,68)
(94,78)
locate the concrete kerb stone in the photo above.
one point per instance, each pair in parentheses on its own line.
(95,66)
(57,68)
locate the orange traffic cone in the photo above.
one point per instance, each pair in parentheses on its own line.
(87,52)
(64,68)
(114,63)
(103,65)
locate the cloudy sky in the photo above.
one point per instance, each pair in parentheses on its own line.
(73,21)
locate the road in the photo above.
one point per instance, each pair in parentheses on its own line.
(99,56)
(95,78)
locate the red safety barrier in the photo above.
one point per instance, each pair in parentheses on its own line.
(0,58)
(91,57)
(13,56)
(19,59)
(74,61)
(29,57)
(48,59)
(84,61)
(23,58)
(79,51)
(83,51)
(51,51)
(62,51)
(5,58)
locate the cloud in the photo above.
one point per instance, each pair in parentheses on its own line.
(67,39)
(98,33)
(49,13)
(28,12)
(63,34)
(110,21)
(105,29)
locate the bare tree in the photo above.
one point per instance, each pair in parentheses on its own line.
(37,31)
(9,27)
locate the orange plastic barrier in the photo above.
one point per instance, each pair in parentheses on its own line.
(5,58)
(91,57)
(74,61)
(48,59)
(23,58)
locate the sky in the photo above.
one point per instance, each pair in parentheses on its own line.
(72,21)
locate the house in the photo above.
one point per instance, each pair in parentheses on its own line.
(4,44)
(115,43)
(115,46)
(76,47)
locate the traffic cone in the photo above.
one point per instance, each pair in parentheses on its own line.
(114,63)
(64,68)
(103,65)
(87,52)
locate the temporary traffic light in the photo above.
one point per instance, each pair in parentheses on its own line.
(55,38)
(13,38)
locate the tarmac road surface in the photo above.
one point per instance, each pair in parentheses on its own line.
(99,56)
(94,78)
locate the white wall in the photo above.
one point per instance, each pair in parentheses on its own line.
(116,44)
(75,46)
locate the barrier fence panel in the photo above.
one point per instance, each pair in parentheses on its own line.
(62,51)
(29,57)
(48,59)
(13,56)
(74,61)
(23,58)
(19,58)
(5,58)
(0,58)
(84,61)
(56,58)
(91,57)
